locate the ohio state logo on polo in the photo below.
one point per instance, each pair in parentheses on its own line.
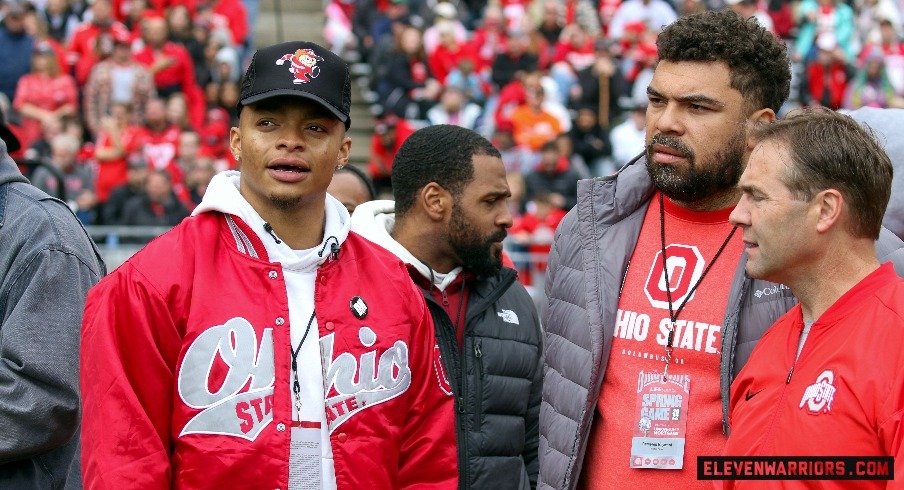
(818,396)
(302,65)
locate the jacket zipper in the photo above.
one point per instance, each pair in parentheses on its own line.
(478,354)
(781,401)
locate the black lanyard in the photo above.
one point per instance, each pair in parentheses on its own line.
(673,315)
(296,386)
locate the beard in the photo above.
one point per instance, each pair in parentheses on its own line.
(697,182)
(284,203)
(474,251)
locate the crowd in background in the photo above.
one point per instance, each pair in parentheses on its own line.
(124,106)
(560,86)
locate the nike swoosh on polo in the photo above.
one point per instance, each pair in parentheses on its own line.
(750,395)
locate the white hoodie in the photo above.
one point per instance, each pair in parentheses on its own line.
(300,270)
(374,220)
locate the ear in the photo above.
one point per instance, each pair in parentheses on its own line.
(436,201)
(829,205)
(235,143)
(762,116)
(344,152)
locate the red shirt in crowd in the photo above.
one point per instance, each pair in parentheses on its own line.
(84,49)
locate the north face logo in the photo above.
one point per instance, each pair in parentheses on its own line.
(508,316)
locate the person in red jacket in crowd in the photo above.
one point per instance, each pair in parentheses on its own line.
(534,231)
(171,65)
(159,140)
(93,40)
(260,343)
(827,379)
(826,77)
(389,134)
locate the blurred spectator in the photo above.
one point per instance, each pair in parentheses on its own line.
(93,41)
(226,14)
(590,142)
(513,60)
(409,89)
(454,108)
(16,46)
(516,160)
(656,14)
(372,21)
(602,79)
(553,176)
(37,27)
(214,136)
(628,138)
(825,78)
(389,134)
(44,94)
(159,140)
(532,125)
(118,79)
(489,38)
(70,177)
(179,24)
(171,66)
(177,111)
(445,19)
(85,207)
(752,8)
(337,30)
(870,15)
(825,19)
(136,175)
(197,178)
(474,85)
(534,230)
(889,43)
(381,53)
(550,20)
(189,152)
(691,7)
(157,206)
(117,139)
(573,52)
(352,187)
(40,149)
(61,19)
(445,57)
(870,86)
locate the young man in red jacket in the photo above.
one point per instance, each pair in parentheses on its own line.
(259,344)
(828,377)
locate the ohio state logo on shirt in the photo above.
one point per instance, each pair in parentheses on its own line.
(230,357)
(818,396)
(302,64)
(685,265)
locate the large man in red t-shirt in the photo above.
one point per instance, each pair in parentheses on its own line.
(828,377)
(650,313)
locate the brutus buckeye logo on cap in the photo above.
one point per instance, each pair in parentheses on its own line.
(303,64)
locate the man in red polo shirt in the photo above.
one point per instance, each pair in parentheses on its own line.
(828,377)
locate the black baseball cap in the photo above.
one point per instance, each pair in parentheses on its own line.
(302,69)
(12,143)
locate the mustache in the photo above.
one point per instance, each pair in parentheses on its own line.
(498,236)
(670,142)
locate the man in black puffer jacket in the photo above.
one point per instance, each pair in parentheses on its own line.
(447,224)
